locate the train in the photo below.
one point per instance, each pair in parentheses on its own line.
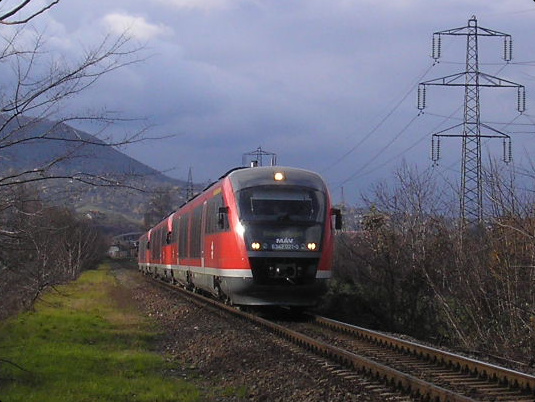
(259,236)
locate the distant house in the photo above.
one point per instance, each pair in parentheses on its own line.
(116,252)
(124,245)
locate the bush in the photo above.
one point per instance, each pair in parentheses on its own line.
(41,246)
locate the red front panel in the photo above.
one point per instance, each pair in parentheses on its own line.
(226,250)
(327,254)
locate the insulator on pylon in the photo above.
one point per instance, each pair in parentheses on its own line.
(437,45)
(421,97)
(507,150)
(507,48)
(435,149)
(521,99)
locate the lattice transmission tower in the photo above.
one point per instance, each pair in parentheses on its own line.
(471,197)
(190,192)
(256,158)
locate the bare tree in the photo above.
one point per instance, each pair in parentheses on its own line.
(24,11)
(163,201)
(510,295)
(388,260)
(415,269)
(40,244)
(30,107)
(48,245)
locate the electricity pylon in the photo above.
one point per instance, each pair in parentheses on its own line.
(471,197)
(256,157)
(189,187)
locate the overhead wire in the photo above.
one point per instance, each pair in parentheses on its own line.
(375,128)
(405,150)
(361,172)
(381,122)
(356,173)
(407,94)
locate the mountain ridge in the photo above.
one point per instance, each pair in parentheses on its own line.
(41,150)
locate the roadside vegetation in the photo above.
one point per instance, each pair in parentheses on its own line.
(412,268)
(44,243)
(84,342)
(41,246)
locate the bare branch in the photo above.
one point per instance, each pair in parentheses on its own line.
(4,18)
(61,82)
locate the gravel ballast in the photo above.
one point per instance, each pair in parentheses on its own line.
(231,360)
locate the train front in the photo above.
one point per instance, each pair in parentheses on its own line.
(285,221)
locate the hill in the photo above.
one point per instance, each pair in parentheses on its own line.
(62,160)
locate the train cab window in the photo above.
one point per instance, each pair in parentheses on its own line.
(269,203)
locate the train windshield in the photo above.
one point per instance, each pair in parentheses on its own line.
(280,204)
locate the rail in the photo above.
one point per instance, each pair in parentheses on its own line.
(496,380)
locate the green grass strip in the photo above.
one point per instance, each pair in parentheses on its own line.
(84,342)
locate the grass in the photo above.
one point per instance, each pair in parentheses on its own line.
(84,342)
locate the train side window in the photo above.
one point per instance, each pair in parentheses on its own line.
(196,227)
(175,229)
(224,225)
(157,242)
(209,226)
(183,236)
(142,249)
(216,221)
(222,218)
(169,237)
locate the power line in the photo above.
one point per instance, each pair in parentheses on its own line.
(381,122)
(359,172)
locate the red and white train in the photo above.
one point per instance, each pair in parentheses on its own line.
(258,236)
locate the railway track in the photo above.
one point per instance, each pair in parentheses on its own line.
(410,365)
(411,369)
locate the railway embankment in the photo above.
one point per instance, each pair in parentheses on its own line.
(111,335)
(86,341)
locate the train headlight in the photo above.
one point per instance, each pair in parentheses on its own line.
(240,229)
(312,246)
(279,176)
(256,246)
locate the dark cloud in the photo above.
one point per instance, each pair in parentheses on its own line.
(310,80)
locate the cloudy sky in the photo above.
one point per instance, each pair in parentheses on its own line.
(329,86)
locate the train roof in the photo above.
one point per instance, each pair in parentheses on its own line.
(243,177)
(266,175)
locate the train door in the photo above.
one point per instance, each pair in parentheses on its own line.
(202,230)
(176,238)
(197,235)
(167,242)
